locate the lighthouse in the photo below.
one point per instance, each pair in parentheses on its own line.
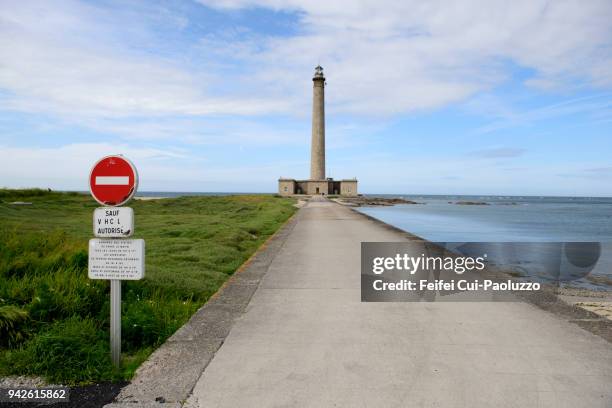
(319,183)
(317,147)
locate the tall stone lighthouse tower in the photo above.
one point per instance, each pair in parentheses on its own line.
(317,147)
(318,184)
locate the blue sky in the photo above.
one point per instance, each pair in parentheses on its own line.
(473,97)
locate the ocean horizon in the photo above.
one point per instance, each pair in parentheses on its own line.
(410,196)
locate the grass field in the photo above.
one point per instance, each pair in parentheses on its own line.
(54,321)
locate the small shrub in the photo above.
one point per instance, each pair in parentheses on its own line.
(12,320)
(150,322)
(44,306)
(17,268)
(139,326)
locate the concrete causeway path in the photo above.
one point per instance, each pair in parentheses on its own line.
(306,340)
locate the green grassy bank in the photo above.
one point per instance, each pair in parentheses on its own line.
(54,321)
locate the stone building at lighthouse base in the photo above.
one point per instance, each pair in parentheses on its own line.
(329,186)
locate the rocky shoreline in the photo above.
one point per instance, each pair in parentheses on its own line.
(373,201)
(363,201)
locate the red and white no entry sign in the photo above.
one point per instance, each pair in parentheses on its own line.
(113,180)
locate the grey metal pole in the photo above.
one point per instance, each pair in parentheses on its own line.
(115,323)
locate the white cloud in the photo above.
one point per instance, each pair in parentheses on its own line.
(65,58)
(381,57)
(595,105)
(386,57)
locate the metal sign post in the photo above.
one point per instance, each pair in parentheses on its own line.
(113,181)
(115,321)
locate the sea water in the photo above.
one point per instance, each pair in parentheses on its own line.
(509,219)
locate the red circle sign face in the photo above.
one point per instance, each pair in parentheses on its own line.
(113,180)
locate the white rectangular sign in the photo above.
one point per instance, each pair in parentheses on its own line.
(122,259)
(112,180)
(113,222)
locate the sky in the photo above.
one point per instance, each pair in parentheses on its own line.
(422,97)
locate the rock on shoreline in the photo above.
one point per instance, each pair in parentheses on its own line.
(362,201)
(469,203)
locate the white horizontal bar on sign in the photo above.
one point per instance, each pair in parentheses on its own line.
(112,180)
